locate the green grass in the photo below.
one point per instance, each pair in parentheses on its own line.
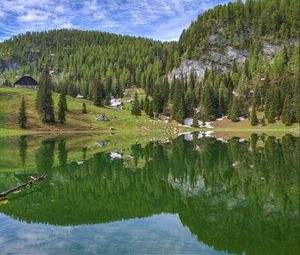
(122,121)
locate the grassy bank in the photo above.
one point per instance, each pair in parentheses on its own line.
(122,122)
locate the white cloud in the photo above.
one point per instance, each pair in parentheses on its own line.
(33,15)
(159,19)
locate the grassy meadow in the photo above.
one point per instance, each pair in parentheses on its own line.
(122,122)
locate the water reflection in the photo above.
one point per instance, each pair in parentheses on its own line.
(235,196)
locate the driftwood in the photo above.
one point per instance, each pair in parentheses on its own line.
(32,180)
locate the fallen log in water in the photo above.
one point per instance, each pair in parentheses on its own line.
(32,180)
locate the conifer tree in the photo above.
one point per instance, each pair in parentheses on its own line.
(287,114)
(98,93)
(147,105)
(277,103)
(142,104)
(178,102)
(234,111)
(49,108)
(150,111)
(22,114)
(84,110)
(195,123)
(189,102)
(253,117)
(61,109)
(270,110)
(64,102)
(44,100)
(136,109)
(270,114)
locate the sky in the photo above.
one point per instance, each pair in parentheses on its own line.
(157,19)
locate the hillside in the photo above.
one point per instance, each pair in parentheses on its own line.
(121,121)
(78,58)
(246,56)
(239,60)
(245,26)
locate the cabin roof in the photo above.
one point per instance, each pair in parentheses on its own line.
(26,80)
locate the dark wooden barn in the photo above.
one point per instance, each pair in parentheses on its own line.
(26,82)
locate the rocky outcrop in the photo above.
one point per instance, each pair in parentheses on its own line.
(221,54)
(212,58)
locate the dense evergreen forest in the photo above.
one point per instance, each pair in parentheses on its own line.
(99,65)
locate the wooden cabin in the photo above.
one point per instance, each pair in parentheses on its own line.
(26,82)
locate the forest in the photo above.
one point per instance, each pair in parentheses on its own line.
(99,65)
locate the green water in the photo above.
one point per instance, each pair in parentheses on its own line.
(191,195)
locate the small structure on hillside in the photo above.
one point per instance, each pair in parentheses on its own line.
(117,103)
(102,118)
(103,143)
(26,82)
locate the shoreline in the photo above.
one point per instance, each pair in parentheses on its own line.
(17,132)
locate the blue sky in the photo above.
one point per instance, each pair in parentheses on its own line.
(158,19)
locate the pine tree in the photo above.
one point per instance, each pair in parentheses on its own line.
(22,114)
(44,100)
(270,114)
(287,114)
(49,108)
(253,117)
(270,110)
(61,110)
(150,111)
(136,109)
(189,102)
(147,105)
(277,103)
(84,110)
(64,102)
(178,101)
(195,123)
(234,111)
(142,104)
(98,93)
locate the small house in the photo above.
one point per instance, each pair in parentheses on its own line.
(102,118)
(103,143)
(26,82)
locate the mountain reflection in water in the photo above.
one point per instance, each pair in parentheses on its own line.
(233,197)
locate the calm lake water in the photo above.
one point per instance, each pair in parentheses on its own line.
(190,195)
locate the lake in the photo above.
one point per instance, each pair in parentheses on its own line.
(194,194)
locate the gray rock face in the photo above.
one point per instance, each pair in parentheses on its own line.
(234,54)
(187,66)
(270,49)
(224,60)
